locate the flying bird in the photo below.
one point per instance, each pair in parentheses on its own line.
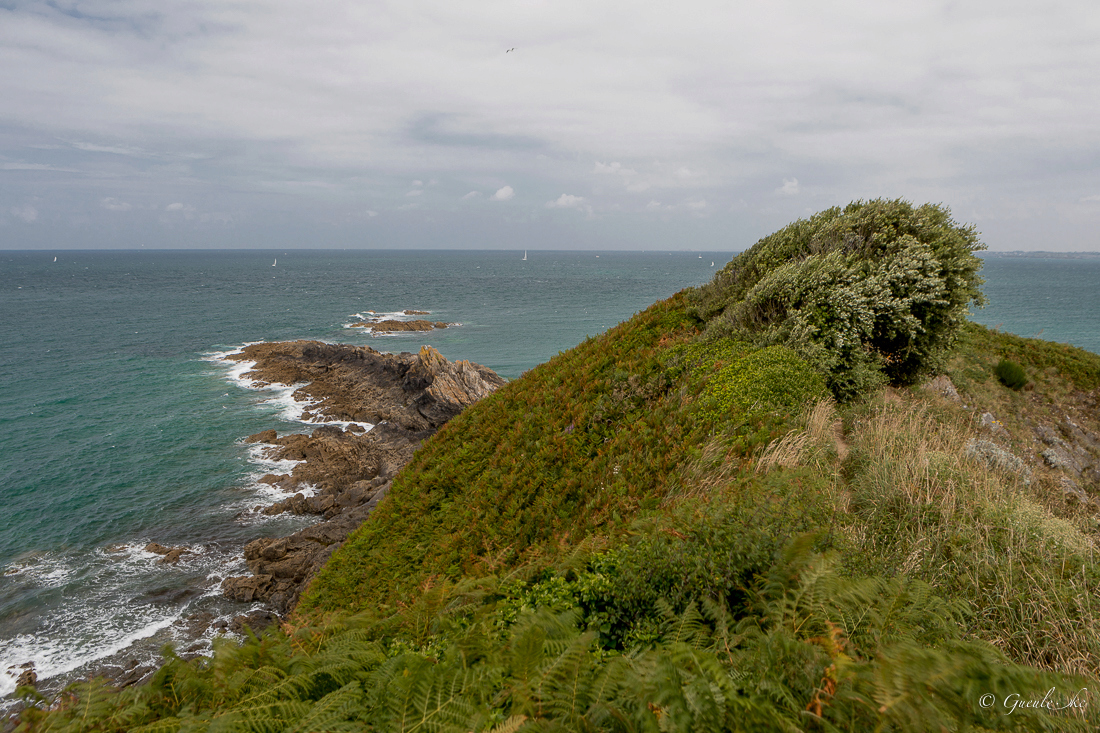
(510,50)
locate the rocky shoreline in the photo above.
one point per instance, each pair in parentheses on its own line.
(406,397)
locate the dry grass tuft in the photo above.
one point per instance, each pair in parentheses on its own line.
(822,435)
(923,506)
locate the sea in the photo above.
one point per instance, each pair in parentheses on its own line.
(122,423)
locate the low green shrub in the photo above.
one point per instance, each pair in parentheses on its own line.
(1011,374)
(763,380)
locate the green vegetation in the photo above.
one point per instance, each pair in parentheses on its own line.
(1011,374)
(673,526)
(871,292)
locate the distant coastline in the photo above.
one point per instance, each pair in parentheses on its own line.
(1043,255)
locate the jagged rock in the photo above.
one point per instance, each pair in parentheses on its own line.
(992,424)
(264,436)
(1047,435)
(28,678)
(1070,490)
(944,387)
(1083,437)
(390,326)
(416,313)
(406,397)
(359,384)
(1058,457)
(133,674)
(246,588)
(197,623)
(157,548)
(173,555)
(999,458)
(257,621)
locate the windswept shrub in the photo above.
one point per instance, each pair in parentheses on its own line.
(872,292)
(1011,374)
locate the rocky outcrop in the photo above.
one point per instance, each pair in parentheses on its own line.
(390,326)
(357,383)
(170,555)
(942,386)
(348,471)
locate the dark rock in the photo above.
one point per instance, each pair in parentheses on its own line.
(173,556)
(1071,491)
(256,621)
(246,588)
(157,548)
(136,674)
(265,436)
(197,623)
(171,594)
(27,678)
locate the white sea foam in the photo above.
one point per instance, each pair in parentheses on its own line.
(111,610)
(283,397)
(375,317)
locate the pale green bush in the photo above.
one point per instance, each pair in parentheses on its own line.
(870,293)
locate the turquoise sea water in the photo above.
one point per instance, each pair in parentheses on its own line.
(119,425)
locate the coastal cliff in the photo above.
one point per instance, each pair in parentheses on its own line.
(801,497)
(406,397)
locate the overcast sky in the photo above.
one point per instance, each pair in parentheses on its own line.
(611,125)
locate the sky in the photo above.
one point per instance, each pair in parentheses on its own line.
(524,124)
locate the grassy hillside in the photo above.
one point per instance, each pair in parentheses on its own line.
(736,511)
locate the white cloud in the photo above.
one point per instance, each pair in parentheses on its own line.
(503,194)
(174,207)
(790,187)
(113,204)
(614,169)
(415,192)
(569,201)
(566,201)
(951,102)
(697,205)
(471,195)
(35,167)
(1092,198)
(372,213)
(653,205)
(25,212)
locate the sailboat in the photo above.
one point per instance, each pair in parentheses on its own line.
(275,262)
(712,263)
(55,258)
(524,255)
